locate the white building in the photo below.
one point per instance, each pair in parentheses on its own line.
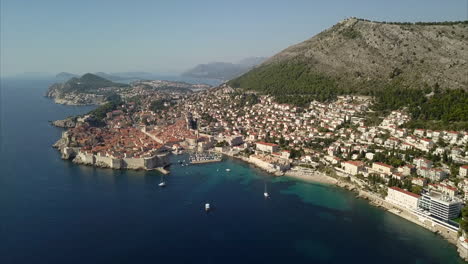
(382,168)
(441,205)
(267,147)
(463,171)
(353,167)
(403,198)
(422,162)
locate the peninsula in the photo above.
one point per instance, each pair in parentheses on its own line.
(382,108)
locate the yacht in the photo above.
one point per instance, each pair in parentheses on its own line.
(265,192)
(207,207)
(162,183)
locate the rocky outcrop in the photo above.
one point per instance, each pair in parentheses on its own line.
(462,247)
(73,98)
(65,123)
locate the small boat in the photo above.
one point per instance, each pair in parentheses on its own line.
(265,192)
(207,207)
(228,170)
(162,183)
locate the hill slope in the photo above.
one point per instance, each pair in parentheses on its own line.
(422,66)
(65,76)
(362,55)
(87,89)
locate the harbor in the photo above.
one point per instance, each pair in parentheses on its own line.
(204,157)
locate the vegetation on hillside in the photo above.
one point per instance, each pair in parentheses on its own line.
(295,83)
(88,83)
(159,105)
(292,83)
(100,112)
(464,220)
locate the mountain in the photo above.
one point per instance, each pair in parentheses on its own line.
(361,56)
(223,70)
(252,61)
(418,66)
(65,75)
(87,89)
(110,76)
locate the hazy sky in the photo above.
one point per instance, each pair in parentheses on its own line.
(170,36)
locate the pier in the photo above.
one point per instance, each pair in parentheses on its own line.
(200,158)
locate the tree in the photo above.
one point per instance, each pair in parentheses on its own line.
(416,189)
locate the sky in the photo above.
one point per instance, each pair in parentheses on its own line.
(168,37)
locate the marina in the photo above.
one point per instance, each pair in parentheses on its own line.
(202,157)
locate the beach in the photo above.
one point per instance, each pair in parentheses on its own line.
(310,175)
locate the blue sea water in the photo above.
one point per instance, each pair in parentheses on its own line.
(53,211)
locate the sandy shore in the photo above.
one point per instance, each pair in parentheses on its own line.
(310,176)
(314,176)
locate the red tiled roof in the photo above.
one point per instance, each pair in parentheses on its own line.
(405,192)
(267,144)
(383,164)
(355,163)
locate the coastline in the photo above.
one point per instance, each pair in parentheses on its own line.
(313,176)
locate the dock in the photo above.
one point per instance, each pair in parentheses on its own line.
(200,158)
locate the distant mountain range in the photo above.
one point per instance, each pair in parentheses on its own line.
(65,76)
(223,70)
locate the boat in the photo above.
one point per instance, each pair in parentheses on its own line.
(162,183)
(265,192)
(228,170)
(207,207)
(202,157)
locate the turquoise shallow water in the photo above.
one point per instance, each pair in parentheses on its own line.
(53,211)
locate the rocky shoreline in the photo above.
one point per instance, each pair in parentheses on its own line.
(77,99)
(298,173)
(65,123)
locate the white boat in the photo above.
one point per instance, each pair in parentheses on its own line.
(265,192)
(162,183)
(207,207)
(228,170)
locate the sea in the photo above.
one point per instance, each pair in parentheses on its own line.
(53,211)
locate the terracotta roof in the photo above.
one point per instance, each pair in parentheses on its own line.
(267,144)
(383,164)
(405,192)
(355,163)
